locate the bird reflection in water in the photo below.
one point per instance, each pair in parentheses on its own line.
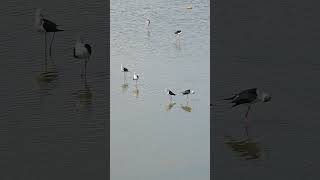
(148,33)
(177,44)
(45,79)
(246,148)
(186,107)
(124,87)
(170,105)
(85,94)
(136,91)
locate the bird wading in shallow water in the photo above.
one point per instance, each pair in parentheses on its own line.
(135,77)
(187,92)
(177,33)
(82,51)
(170,93)
(124,70)
(44,25)
(249,97)
(148,22)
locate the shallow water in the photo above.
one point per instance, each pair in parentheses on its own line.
(52,123)
(151,137)
(272,46)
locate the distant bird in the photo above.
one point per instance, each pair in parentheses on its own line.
(187,92)
(135,77)
(124,70)
(82,51)
(148,22)
(249,97)
(178,32)
(170,93)
(45,25)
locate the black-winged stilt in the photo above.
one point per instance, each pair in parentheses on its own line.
(135,77)
(82,51)
(45,25)
(169,92)
(187,92)
(124,70)
(249,97)
(148,22)
(178,32)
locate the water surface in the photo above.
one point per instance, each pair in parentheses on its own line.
(52,122)
(151,137)
(272,46)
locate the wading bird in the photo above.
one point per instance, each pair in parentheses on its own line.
(169,92)
(44,25)
(82,51)
(124,70)
(148,22)
(249,97)
(187,92)
(135,77)
(178,32)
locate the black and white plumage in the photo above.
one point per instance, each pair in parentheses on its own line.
(82,51)
(187,92)
(148,22)
(44,25)
(135,77)
(249,97)
(170,93)
(124,70)
(178,32)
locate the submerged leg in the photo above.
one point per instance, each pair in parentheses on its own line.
(51,42)
(247,113)
(82,71)
(85,68)
(45,49)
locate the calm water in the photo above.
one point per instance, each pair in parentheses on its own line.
(52,128)
(272,45)
(151,139)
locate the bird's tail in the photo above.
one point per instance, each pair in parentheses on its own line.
(59,30)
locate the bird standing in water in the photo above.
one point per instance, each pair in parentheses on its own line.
(170,93)
(124,70)
(249,97)
(187,92)
(82,51)
(135,77)
(44,25)
(148,22)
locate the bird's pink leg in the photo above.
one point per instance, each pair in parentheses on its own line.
(247,113)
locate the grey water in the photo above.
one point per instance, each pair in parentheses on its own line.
(151,136)
(274,46)
(52,123)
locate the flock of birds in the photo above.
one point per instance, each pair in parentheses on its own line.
(136,76)
(81,50)
(246,97)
